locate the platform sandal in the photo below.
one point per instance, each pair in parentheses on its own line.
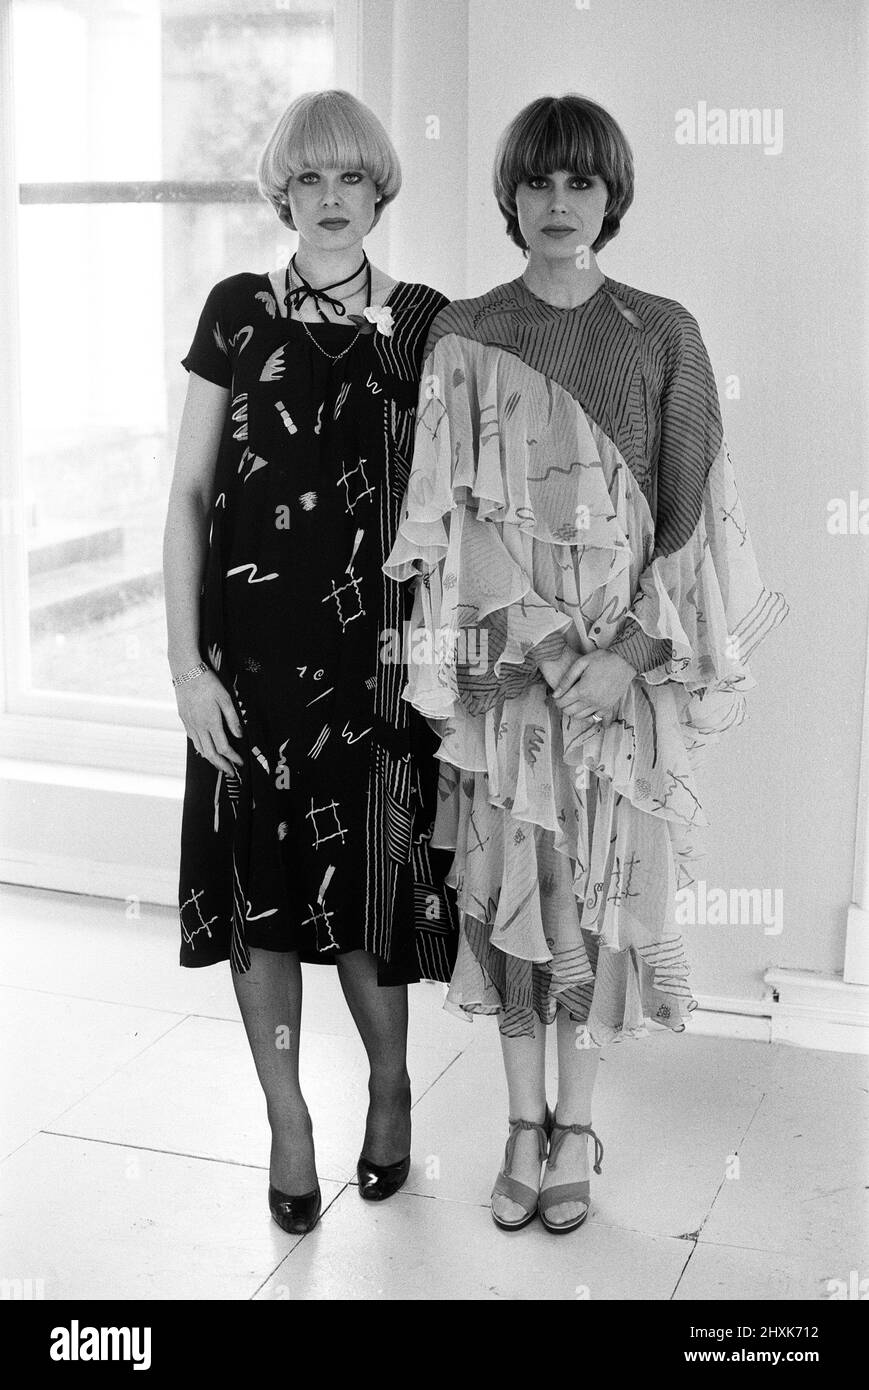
(520,1192)
(567,1191)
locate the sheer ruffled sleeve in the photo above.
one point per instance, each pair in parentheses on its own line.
(700,607)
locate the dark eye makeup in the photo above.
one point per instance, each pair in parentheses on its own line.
(309,176)
(536,179)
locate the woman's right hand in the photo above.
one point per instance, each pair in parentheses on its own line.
(206,711)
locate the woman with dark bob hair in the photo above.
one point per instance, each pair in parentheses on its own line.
(573,512)
(311,785)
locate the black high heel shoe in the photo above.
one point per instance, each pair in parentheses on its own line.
(295,1215)
(377,1181)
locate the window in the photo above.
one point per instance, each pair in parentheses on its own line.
(137,126)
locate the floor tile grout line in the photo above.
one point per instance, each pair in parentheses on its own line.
(715,1197)
(179,1013)
(170,1153)
(134,1057)
(93,999)
(146,1008)
(755,1249)
(682,1271)
(436,1079)
(699,1231)
(150,1148)
(295,1247)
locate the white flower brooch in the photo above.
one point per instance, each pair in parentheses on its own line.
(379,316)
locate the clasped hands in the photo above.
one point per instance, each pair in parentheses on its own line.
(584,686)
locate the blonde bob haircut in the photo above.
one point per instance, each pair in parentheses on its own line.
(327,130)
(570,133)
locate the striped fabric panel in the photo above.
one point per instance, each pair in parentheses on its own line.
(426,894)
(399,780)
(433,956)
(239,955)
(481,690)
(769,610)
(400,358)
(635,646)
(514,1022)
(413,309)
(526,984)
(398,828)
(667,961)
(436,932)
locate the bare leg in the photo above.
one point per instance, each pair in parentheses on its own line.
(577,1073)
(380,1014)
(270,998)
(525,1066)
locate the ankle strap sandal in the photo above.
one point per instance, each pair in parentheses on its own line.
(519,1192)
(567,1191)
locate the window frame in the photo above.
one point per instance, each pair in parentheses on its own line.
(57,726)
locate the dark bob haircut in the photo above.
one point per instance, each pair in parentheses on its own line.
(571,133)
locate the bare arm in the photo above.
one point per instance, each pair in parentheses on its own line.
(204,704)
(185,536)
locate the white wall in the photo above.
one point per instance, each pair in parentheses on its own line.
(765,250)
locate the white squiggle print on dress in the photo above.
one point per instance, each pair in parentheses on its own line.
(239,416)
(348,735)
(251,916)
(252,567)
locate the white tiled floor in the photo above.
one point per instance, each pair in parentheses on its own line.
(135,1145)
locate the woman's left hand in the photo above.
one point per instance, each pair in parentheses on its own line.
(594,684)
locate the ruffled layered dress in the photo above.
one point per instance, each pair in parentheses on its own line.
(570,483)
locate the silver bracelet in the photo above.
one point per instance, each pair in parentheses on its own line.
(189,675)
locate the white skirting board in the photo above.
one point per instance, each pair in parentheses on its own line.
(801,1008)
(821,1011)
(717,1017)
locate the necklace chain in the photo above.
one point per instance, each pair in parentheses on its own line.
(333,357)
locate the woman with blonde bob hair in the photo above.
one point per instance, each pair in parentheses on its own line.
(310,783)
(573,511)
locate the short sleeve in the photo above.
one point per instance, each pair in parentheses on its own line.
(208,355)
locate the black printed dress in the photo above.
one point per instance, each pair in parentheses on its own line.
(319,842)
